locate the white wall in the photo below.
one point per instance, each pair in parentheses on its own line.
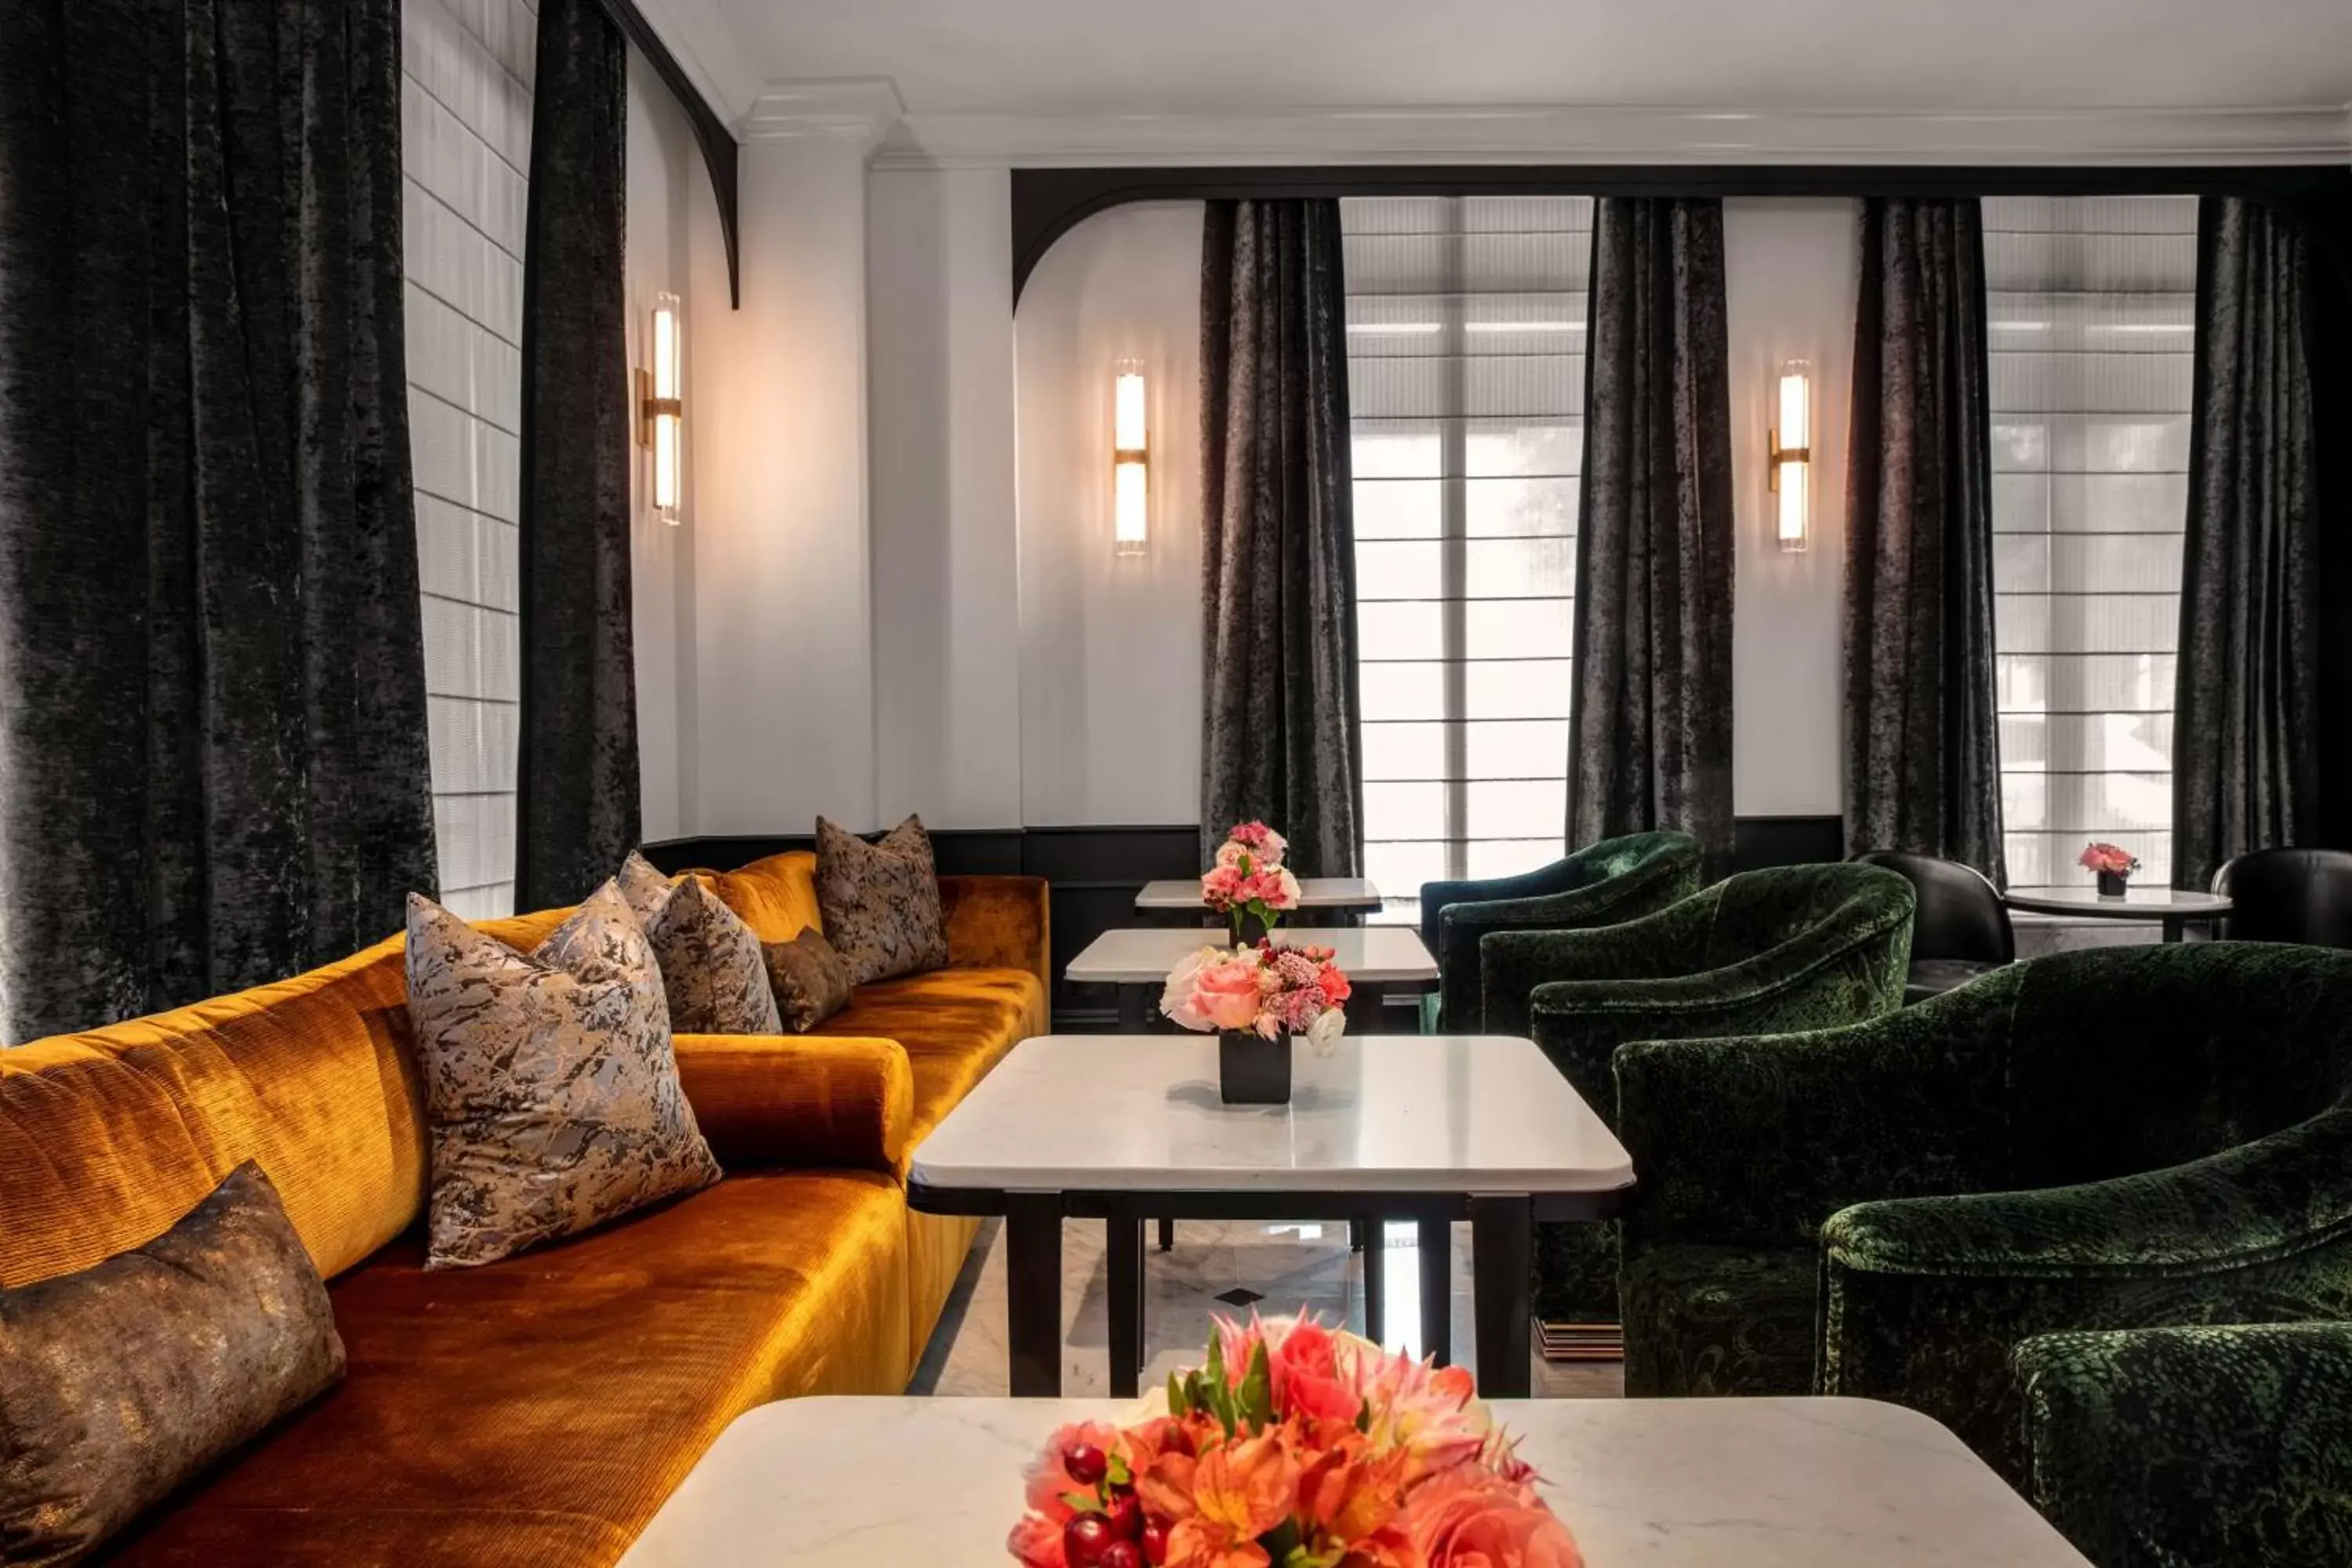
(947,591)
(1790,288)
(1110,646)
(465,109)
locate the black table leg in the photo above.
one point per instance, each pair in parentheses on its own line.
(1033,1293)
(1368,1008)
(1437,1290)
(2174,930)
(1123,1246)
(1167,1234)
(1131,1008)
(1376,1289)
(1502,1241)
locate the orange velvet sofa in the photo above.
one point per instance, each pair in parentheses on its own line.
(538,1410)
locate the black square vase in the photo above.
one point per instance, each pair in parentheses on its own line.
(1252,1070)
(2113,885)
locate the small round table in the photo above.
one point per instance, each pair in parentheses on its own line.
(2176,908)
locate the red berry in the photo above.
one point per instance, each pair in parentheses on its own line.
(1126,1514)
(1155,1540)
(1085,1463)
(1085,1538)
(1120,1554)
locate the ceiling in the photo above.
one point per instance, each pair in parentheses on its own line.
(1093,57)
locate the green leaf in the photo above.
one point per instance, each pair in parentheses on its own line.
(1120,1475)
(1282,1540)
(1179,1403)
(1364,1417)
(1257,1390)
(1214,1370)
(1083,1503)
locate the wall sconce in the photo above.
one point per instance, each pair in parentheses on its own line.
(1791,465)
(661,406)
(1130,461)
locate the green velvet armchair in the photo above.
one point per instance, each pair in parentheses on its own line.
(2160,1448)
(1600,884)
(2113,1138)
(1796,947)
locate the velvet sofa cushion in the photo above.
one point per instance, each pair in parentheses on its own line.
(954,1024)
(539,1410)
(809,980)
(881,901)
(712,967)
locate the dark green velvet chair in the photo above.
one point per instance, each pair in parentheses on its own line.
(1796,947)
(2160,1448)
(2120,1137)
(1600,884)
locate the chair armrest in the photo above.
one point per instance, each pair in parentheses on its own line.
(999,923)
(1512,964)
(803,1101)
(1560,875)
(1755,1142)
(1463,927)
(2193,1445)
(1924,1299)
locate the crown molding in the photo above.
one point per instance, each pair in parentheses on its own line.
(1632,135)
(861,110)
(704,41)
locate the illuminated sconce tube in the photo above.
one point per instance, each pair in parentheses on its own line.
(1130,460)
(1790,440)
(661,406)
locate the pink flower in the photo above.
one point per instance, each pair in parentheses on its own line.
(1036,1542)
(2111,858)
(1471,1518)
(1262,842)
(1226,995)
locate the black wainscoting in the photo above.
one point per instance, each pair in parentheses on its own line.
(1095,872)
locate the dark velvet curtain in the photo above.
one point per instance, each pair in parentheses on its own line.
(2247,715)
(1278,535)
(1650,734)
(1922,740)
(212,681)
(576,812)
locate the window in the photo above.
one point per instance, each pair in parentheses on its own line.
(2092,339)
(1466,369)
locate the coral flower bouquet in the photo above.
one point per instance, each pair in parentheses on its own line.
(1295,1446)
(1266,990)
(2112,864)
(1249,879)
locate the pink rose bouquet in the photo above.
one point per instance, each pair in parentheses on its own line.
(2108,859)
(1294,1444)
(1265,990)
(1249,878)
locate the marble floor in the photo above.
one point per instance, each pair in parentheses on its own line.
(1286,1265)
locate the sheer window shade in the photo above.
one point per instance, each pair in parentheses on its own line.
(2092,342)
(1465,347)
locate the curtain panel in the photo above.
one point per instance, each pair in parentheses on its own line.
(1650,728)
(2247,724)
(1922,731)
(211,678)
(576,784)
(1279,738)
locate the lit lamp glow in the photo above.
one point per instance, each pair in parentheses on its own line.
(1130,461)
(661,406)
(1791,464)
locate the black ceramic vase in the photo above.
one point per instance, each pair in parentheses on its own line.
(2113,884)
(1252,1070)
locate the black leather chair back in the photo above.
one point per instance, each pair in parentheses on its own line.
(1960,915)
(2288,895)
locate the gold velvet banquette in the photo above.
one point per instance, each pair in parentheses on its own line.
(538,1410)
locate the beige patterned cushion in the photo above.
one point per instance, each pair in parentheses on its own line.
(879,903)
(549,1082)
(811,983)
(711,968)
(122,1383)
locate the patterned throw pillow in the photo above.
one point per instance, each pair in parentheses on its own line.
(550,1081)
(810,980)
(122,1383)
(880,902)
(710,965)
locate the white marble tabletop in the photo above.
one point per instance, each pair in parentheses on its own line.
(2138,904)
(1690,1483)
(1396,1113)
(1142,955)
(1314,893)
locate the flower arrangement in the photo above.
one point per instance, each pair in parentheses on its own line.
(1266,991)
(2112,863)
(1249,878)
(1295,1446)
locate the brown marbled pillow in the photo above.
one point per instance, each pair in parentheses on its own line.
(550,1085)
(711,965)
(879,903)
(811,981)
(119,1383)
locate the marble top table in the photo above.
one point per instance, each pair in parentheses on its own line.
(1137,961)
(1182,895)
(1695,1483)
(2175,908)
(1433,1128)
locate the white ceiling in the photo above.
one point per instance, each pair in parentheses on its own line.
(1092,57)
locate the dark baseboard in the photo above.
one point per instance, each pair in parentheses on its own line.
(1095,872)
